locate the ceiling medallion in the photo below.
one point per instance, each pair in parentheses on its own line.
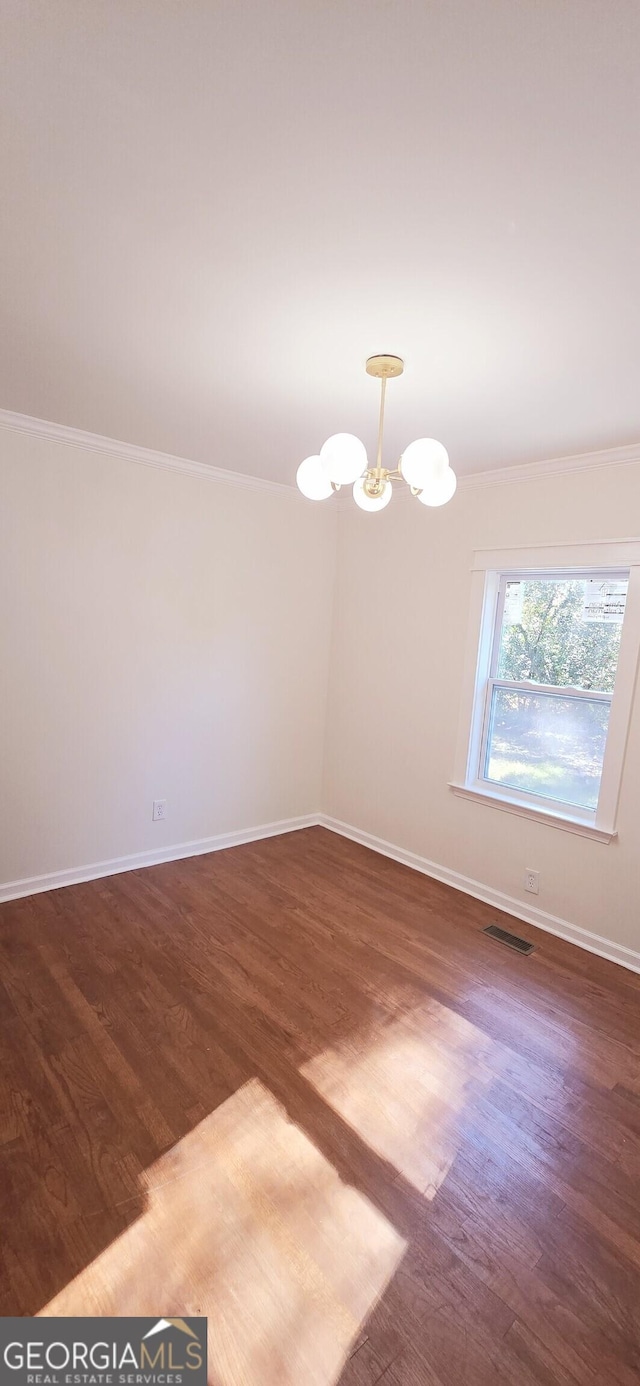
(342,461)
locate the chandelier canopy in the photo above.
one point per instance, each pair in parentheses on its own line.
(342,461)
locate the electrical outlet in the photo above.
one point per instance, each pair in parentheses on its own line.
(532,881)
(159,809)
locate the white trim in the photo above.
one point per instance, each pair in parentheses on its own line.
(550,923)
(554,466)
(562,928)
(491,567)
(94,442)
(485,591)
(34,885)
(522,472)
(573,555)
(524,809)
(130,452)
(621,705)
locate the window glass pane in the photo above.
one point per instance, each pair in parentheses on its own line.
(564,633)
(546,744)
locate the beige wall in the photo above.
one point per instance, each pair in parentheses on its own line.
(402,600)
(167,636)
(161,636)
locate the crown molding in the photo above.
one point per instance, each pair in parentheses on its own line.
(528,471)
(554,466)
(130,452)
(148,457)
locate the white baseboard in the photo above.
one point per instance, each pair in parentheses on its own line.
(593,943)
(33,885)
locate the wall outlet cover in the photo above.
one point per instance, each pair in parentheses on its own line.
(532,881)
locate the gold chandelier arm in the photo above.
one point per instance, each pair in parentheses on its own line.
(383,387)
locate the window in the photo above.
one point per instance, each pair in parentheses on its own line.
(545,728)
(552,674)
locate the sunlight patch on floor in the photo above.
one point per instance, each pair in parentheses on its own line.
(404,1085)
(249,1224)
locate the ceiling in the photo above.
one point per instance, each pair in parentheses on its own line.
(213,211)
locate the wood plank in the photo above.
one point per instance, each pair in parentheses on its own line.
(238,1075)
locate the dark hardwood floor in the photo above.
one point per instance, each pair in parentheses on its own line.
(293,1086)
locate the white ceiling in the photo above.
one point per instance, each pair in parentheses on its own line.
(213,210)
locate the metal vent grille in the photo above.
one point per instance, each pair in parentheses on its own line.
(519,945)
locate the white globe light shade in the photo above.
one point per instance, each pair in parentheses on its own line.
(439,489)
(344,458)
(313,480)
(371,502)
(422,460)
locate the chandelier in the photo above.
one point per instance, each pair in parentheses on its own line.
(342,461)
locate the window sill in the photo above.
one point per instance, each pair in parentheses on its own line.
(553,820)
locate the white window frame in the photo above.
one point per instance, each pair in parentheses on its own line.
(491,569)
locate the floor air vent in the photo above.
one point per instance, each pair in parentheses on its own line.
(519,945)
